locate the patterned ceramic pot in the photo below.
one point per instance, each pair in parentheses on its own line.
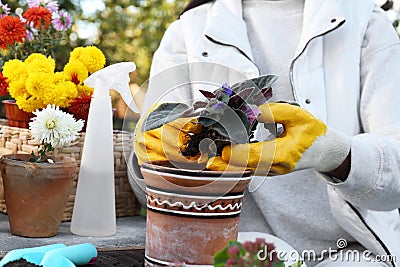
(190,214)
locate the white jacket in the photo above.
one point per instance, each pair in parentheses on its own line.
(345,72)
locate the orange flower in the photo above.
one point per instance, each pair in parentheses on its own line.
(39,16)
(3,85)
(12,29)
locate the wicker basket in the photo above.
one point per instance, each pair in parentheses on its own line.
(18,140)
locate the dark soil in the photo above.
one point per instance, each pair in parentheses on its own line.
(20,263)
(192,147)
(122,258)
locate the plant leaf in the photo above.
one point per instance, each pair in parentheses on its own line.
(164,114)
(251,96)
(199,104)
(236,101)
(224,98)
(265,81)
(260,82)
(262,97)
(206,121)
(233,126)
(214,109)
(245,119)
(297,264)
(207,94)
(278,264)
(221,257)
(267,92)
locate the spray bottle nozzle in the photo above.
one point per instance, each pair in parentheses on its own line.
(115,77)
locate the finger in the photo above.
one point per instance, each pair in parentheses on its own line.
(251,154)
(279,169)
(187,125)
(288,114)
(218,164)
(148,155)
(266,115)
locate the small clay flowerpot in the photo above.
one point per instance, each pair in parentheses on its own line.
(16,117)
(191,214)
(36,193)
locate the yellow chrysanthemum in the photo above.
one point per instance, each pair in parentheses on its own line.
(35,56)
(15,70)
(65,92)
(40,84)
(17,88)
(40,63)
(76,53)
(29,103)
(84,90)
(76,71)
(60,77)
(91,56)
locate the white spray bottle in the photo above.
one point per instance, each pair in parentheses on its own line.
(94,207)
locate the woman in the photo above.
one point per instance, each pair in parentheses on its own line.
(338,60)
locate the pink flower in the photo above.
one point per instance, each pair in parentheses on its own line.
(50,5)
(29,35)
(234,250)
(4,10)
(62,21)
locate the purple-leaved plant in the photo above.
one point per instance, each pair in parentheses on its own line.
(227,115)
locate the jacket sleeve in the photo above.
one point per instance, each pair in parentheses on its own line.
(374,178)
(163,76)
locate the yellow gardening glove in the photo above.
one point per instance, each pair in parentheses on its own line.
(166,143)
(306,143)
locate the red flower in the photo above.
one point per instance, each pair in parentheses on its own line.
(74,79)
(79,107)
(12,29)
(39,16)
(3,85)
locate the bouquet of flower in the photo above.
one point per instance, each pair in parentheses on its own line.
(36,28)
(34,84)
(28,40)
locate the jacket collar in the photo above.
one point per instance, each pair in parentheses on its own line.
(225,24)
(320,17)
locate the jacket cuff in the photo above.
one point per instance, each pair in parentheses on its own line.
(364,172)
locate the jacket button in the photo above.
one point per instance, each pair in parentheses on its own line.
(204,54)
(308,101)
(333,20)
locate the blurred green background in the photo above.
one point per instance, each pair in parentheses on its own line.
(124,30)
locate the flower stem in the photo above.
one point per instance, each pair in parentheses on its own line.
(41,157)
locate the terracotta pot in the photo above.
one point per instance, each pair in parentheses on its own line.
(36,193)
(16,117)
(190,214)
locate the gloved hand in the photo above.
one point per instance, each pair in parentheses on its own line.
(165,143)
(306,143)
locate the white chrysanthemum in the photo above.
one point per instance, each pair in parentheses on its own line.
(53,126)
